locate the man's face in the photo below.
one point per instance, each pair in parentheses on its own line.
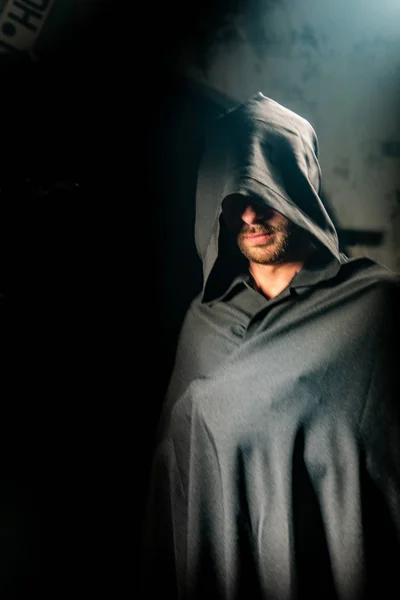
(264,235)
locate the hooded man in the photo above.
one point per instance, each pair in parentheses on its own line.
(276,472)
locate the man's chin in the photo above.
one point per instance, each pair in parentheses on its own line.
(267,248)
(264,257)
(267,260)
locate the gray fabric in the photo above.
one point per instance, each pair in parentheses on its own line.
(277,469)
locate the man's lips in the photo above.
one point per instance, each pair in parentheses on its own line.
(257,237)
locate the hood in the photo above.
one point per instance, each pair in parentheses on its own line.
(265,151)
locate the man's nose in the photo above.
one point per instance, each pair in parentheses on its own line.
(249,215)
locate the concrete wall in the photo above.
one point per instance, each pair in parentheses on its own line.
(338,65)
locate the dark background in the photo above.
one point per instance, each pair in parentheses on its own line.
(95,279)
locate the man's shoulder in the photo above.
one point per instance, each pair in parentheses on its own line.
(196,307)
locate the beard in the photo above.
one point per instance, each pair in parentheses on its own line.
(287,242)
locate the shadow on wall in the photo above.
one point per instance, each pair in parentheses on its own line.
(176,146)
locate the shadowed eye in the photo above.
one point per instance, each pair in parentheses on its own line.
(234,207)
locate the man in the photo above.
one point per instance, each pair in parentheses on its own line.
(276,469)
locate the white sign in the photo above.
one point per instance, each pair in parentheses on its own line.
(21,23)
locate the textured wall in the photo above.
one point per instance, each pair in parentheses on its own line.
(338,65)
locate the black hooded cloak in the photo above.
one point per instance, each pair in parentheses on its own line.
(276,471)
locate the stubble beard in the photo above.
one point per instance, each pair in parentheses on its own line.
(285,242)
